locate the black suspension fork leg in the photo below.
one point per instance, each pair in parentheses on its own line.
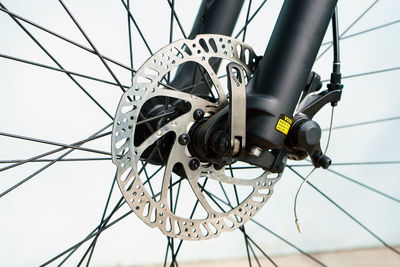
(282,73)
(216,17)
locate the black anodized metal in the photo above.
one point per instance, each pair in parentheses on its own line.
(282,73)
(214,17)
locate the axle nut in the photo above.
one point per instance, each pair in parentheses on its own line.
(309,134)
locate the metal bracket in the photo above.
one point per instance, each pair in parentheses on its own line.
(237,107)
(312,103)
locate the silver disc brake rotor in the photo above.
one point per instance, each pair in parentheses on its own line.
(155,208)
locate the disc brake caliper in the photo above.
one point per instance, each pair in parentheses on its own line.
(305,134)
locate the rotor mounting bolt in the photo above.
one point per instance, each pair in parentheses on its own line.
(183,139)
(194,164)
(198,114)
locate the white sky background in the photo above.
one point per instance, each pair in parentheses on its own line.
(64,203)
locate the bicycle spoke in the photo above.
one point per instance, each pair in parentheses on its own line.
(33,159)
(92,137)
(130,39)
(48,160)
(350,163)
(56,143)
(259,248)
(96,231)
(250,19)
(254,255)
(364,185)
(248,245)
(171,204)
(152,153)
(148,181)
(242,168)
(243,228)
(59,70)
(192,214)
(349,27)
(155,117)
(33,174)
(289,243)
(169,245)
(58,64)
(348,214)
(92,245)
(154,174)
(246,241)
(92,45)
(367,73)
(171,32)
(2,8)
(104,213)
(177,19)
(207,81)
(171,23)
(166,253)
(137,27)
(362,123)
(364,31)
(212,196)
(93,233)
(177,196)
(246,24)
(225,194)
(275,234)
(71,253)
(94,242)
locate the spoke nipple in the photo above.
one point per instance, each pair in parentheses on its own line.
(198,114)
(194,164)
(183,139)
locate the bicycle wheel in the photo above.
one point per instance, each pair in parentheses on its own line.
(51,201)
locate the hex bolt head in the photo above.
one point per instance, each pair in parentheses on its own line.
(198,114)
(183,139)
(194,164)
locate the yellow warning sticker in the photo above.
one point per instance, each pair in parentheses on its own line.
(284,124)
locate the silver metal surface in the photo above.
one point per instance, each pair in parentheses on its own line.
(255,151)
(156,212)
(237,107)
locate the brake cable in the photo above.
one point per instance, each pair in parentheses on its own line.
(335,83)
